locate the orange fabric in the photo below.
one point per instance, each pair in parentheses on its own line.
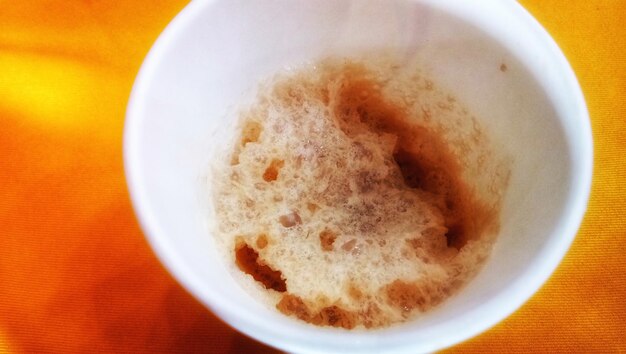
(76,274)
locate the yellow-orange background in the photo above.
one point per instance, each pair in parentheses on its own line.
(76,274)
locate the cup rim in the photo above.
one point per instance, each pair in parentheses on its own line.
(507,300)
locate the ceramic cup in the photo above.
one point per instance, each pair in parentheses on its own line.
(213,55)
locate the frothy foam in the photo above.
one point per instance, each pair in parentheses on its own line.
(344,192)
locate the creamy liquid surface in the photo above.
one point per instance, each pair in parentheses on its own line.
(357,194)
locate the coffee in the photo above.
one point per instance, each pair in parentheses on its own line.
(347,200)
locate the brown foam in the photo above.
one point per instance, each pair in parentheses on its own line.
(333,315)
(290,220)
(261,241)
(271,173)
(371,217)
(248,261)
(251,132)
(422,155)
(327,238)
(406,296)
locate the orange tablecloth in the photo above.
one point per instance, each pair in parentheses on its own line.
(76,274)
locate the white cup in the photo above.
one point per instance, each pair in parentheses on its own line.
(215,52)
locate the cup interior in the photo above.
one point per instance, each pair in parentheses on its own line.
(210,60)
